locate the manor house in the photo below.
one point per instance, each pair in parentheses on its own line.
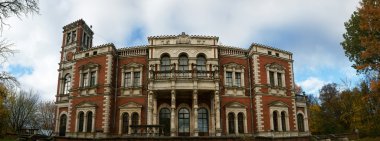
(175,85)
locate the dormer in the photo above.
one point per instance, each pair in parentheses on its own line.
(77,35)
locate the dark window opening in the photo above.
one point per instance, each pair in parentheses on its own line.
(89,122)
(231,123)
(240,123)
(125,123)
(275,122)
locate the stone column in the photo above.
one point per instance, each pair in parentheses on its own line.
(217,114)
(150,108)
(172,118)
(195,108)
(236,124)
(154,109)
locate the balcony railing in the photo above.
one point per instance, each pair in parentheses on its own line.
(301,98)
(192,72)
(184,74)
(147,130)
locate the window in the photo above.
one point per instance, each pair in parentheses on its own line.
(279,79)
(68,38)
(165,63)
(135,119)
(80,121)
(136,79)
(201,63)
(95,52)
(271,78)
(125,123)
(89,122)
(62,125)
(92,78)
(229,78)
(300,121)
(67,85)
(184,122)
(275,122)
(240,123)
(238,79)
(165,120)
(277,54)
(165,66)
(183,63)
(127,79)
(85,79)
(203,121)
(231,123)
(270,52)
(74,36)
(283,121)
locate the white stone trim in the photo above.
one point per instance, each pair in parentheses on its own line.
(259,113)
(279,110)
(236,108)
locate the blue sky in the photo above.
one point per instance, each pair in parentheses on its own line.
(311,29)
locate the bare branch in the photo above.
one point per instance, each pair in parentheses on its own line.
(17,8)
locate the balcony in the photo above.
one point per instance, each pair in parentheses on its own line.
(183,79)
(184,74)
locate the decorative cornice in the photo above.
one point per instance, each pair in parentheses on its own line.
(268,47)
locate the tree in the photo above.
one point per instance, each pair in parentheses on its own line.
(46,116)
(22,106)
(362,39)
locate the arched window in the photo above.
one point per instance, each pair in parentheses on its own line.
(89,122)
(125,123)
(231,123)
(203,121)
(165,120)
(283,120)
(183,122)
(66,84)
(183,62)
(183,65)
(201,66)
(165,65)
(241,122)
(62,125)
(275,121)
(300,121)
(80,121)
(135,119)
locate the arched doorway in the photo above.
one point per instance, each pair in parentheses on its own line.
(165,120)
(62,125)
(183,122)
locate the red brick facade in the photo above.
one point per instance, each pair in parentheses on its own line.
(188,84)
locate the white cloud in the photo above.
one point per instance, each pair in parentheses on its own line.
(312,85)
(239,23)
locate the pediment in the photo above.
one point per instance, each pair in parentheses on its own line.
(89,65)
(132,65)
(235,105)
(233,65)
(130,105)
(278,104)
(86,104)
(183,38)
(274,66)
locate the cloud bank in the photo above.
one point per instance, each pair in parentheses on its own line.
(311,30)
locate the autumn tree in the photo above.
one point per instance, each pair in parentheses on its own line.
(45,116)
